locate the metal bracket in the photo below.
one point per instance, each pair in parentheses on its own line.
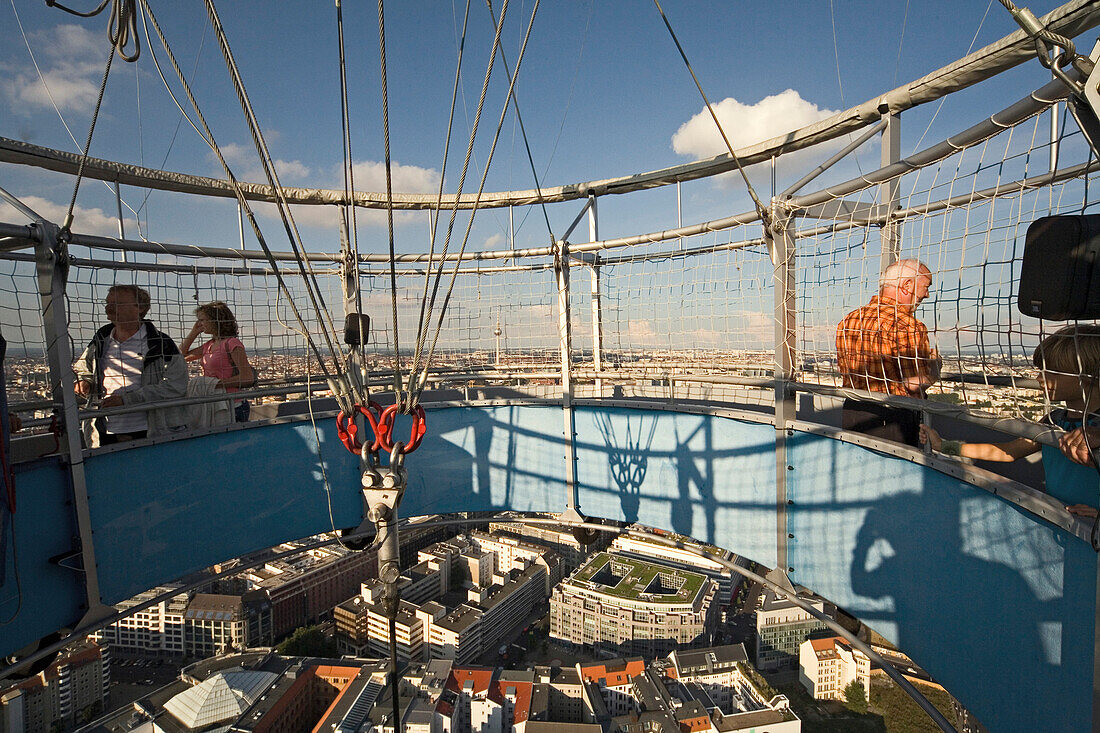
(1086,109)
(382,493)
(779,577)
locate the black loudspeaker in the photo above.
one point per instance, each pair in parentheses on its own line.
(1060,273)
(356,325)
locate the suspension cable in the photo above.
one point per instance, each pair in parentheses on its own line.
(348,210)
(53,102)
(421,336)
(68,222)
(309,278)
(423,378)
(397,382)
(208,136)
(765,215)
(1034,28)
(420,328)
(121,27)
(526,142)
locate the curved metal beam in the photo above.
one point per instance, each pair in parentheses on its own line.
(1071,20)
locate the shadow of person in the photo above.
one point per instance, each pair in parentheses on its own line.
(963,617)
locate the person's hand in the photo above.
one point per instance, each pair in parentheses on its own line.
(82,387)
(114,400)
(930,436)
(1077,444)
(196,329)
(1082,510)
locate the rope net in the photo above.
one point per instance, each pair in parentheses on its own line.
(670,311)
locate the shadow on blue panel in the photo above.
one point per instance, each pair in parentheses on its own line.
(994,603)
(704,476)
(166,510)
(39,596)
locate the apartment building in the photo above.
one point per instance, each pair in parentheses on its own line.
(362,626)
(154,631)
(71,690)
(625,606)
(214,624)
(781,627)
(203,625)
(827,666)
(573,553)
(694,556)
(303,588)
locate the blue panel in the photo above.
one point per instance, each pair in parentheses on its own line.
(997,605)
(42,597)
(707,477)
(163,511)
(488,458)
(658,468)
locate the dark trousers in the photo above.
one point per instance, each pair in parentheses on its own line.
(898,424)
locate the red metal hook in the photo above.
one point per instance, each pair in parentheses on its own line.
(416,433)
(349,431)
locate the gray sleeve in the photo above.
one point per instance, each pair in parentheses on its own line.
(171,385)
(83,365)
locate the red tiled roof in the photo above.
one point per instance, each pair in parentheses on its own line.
(522,709)
(619,674)
(481,677)
(692,725)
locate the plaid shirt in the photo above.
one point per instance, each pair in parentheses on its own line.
(882,345)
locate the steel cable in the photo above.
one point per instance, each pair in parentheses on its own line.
(397,381)
(313,290)
(422,380)
(208,136)
(420,328)
(416,382)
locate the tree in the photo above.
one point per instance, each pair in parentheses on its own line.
(307,641)
(856,697)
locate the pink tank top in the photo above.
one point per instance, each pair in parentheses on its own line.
(216,361)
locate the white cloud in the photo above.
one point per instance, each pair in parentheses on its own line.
(745,124)
(371,176)
(85,221)
(72,59)
(71,42)
(642,333)
(245,164)
(493,242)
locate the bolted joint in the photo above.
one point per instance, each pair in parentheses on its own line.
(371,479)
(395,478)
(379,513)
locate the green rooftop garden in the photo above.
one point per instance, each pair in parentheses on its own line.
(636,580)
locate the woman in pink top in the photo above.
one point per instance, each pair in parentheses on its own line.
(223,356)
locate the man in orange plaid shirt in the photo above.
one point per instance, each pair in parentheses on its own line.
(882,347)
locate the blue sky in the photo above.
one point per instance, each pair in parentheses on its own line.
(603,93)
(602,90)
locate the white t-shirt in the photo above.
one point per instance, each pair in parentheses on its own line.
(122,365)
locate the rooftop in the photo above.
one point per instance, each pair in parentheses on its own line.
(636,580)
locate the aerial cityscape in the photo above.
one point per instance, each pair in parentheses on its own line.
(502,625)
(591,367)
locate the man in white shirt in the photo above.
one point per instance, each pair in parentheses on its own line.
(130,362)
